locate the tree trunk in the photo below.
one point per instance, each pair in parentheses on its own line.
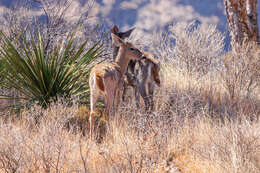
(242,21)
(252,20)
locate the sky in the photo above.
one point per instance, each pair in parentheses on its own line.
(147,15)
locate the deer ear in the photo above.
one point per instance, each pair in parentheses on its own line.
(115,29)
(127,33)
(116,40)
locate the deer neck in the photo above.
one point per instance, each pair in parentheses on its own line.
(122,60)
(115,52)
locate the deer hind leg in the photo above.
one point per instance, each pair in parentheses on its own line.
(93,100)
(109,97)
(109,100)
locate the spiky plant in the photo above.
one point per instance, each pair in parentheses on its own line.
(42,76)
(1,71)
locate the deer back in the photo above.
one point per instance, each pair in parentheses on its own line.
(152,66)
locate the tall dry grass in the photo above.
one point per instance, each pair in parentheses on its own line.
(196,127)
(132,142)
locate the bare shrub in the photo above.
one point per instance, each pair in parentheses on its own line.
(241,73)
(192,73)
(197,48)
(161,44)
(16,20)
(52,19)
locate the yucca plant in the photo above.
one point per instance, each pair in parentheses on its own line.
(1,72)
(42,76)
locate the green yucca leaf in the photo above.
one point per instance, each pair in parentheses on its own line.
(42,76)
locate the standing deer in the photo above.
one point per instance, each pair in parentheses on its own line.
(107,78)
(140,75)
(147,73)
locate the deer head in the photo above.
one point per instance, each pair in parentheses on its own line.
(121,35)
(126,49)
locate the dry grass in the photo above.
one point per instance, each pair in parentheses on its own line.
(190,131)
(197,127)
(133,142)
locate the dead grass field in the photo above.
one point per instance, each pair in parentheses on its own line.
(202,123)
(193,129)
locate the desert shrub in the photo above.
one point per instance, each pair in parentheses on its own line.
(43,76)
(160,44)
(54,21)
(189,47)
(241,73)
(197,47)
(25,148)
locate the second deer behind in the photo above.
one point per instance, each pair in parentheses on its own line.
(140,75)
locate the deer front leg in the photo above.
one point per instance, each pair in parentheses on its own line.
(124,92)
(151,92)
(129,81)
(144,94)
(137,97)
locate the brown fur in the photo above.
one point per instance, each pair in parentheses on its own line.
(106,78)
(106,70)
(100,83)
(150,57)
(115,29)
(155,68)
(155,74)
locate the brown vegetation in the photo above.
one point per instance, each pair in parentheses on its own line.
(201,123)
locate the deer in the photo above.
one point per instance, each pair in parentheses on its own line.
(107,78)
(140,75)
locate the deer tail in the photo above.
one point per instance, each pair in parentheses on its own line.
(100,83)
